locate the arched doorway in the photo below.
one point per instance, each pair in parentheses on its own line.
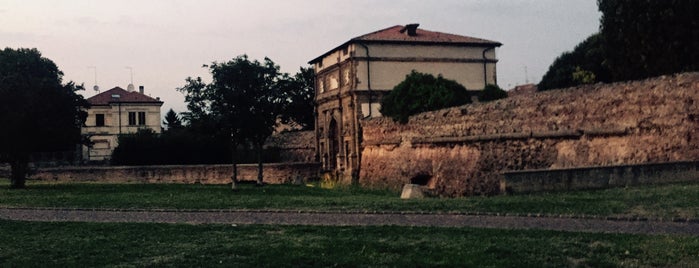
(334,143)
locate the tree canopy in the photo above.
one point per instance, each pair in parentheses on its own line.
(243,102)
(172,120)
(646,38)
(583,65)
(299,94)
(421,92)
(38,113)
(637,39)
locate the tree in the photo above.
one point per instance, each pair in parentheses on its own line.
(583,65)
(172,121)
(37,112)
(421,93)
(492,92)
(243,101)
(646,38)
(299,93)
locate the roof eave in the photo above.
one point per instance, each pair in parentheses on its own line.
(360,41)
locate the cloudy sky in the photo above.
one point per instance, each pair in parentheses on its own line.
(165,41)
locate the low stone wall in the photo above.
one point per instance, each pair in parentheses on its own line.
(598,177)
(464,150)
(275,173)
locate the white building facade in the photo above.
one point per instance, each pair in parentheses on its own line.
(115,112)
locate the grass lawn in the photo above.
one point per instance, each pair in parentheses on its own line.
(124,245)
(666,201)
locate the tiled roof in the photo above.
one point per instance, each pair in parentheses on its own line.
(399,34)
(105,98)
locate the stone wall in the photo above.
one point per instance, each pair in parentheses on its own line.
(277,173)
(293,146)
(598,177)
(464,150)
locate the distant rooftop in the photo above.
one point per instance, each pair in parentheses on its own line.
(411,34)
(118,94)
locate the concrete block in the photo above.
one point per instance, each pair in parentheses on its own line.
(411,191)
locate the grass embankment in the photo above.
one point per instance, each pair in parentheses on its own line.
(109,244)
(666,201)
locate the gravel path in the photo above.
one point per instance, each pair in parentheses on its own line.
(350,219)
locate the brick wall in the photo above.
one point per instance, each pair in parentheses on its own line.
(206,174)
(464,150)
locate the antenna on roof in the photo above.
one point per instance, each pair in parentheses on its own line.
(96,88)
(130,87)
(526,76)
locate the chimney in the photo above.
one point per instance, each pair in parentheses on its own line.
(411,29)
(140,89)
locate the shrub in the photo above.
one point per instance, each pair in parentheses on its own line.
(421,92)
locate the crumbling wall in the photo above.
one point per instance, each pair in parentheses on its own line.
(465,149)
(293,146)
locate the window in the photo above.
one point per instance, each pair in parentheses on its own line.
(99,120)
(132,118)
(141,118)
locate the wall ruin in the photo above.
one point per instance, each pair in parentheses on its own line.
(293,146)
(464,150)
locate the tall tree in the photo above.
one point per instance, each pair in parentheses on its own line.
(37,111)
(299,93)
(583,65)
(421,92)
(243,100)
(646,38)
(172,120)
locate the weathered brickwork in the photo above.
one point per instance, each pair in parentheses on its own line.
(205,174)
(465,149)
(293,146)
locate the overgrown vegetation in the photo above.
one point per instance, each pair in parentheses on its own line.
(637,40)
(668,201)
(180,245)
(421,92)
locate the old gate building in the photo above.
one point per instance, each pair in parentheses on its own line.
(352,78)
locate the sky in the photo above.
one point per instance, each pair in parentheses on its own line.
(162,42)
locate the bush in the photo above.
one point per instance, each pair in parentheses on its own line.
(492,92)
(180,147)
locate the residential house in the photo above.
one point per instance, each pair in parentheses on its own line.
(115,112)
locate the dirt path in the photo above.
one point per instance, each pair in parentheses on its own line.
(349,219)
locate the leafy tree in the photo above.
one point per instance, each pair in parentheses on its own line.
(492,92)
(299,93)
(646,38)
(421,92)
(243,102)
(37,111)
(172,121)
(583,65)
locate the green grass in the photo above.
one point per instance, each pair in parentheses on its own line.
(666,201)
(125,245)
